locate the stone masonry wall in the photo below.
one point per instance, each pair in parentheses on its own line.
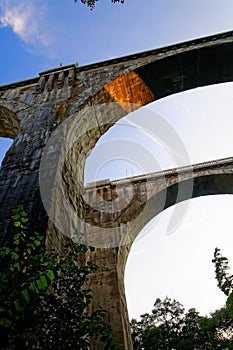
(77,106)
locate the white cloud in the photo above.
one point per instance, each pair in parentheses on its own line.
(27,20)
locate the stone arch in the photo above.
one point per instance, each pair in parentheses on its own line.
(157,79)
(166,72)
(9,123)
(123,85)
(151,81)
(212,184)
(206,185)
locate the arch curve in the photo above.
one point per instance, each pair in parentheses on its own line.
(140,80)
(204,185)
(156,74)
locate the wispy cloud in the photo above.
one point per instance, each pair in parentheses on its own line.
(27,20)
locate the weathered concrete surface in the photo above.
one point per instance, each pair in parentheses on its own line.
(93,98)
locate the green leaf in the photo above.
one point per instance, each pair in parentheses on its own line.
(23,213)
(17,236)
(2,309)
(37,243)
(16,265)
(42,282)
(33,288)
(16,217)
(25,295)
(40,237)
(17,305)
(14,256)
(50,275)
(24,219)
(17,223)
(5,322)
(4,251)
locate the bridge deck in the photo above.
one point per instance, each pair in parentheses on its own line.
(165,173)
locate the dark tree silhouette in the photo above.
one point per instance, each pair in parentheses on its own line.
(169,327)
(91,3)
(225,280)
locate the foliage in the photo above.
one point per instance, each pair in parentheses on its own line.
(91,3)
(44,297)
(224,316)
(225,281)
(169,327)
(167,319)
(191,334)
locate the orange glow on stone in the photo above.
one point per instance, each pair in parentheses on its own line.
(130,92)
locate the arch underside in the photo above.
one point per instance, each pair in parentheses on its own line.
(189,70)
(173,74)
(163,77)
(215,184)
(138,87)
(199,66)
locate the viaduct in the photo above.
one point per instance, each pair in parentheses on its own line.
(57,118)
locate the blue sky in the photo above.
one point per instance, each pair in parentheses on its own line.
(36,35)
(39,34)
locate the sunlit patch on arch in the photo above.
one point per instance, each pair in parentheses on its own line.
(130,91)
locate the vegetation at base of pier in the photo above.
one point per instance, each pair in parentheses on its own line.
(169,327)
(91,3)
(44,297)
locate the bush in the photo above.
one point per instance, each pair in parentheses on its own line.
(44,297)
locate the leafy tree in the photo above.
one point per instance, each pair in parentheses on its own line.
(225,280)
(175,330)
(136,332)
(168,317)
(43,297)
(169,327)
(224,317)
(91,3)
(161,329)
(191,335)
(221,329)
